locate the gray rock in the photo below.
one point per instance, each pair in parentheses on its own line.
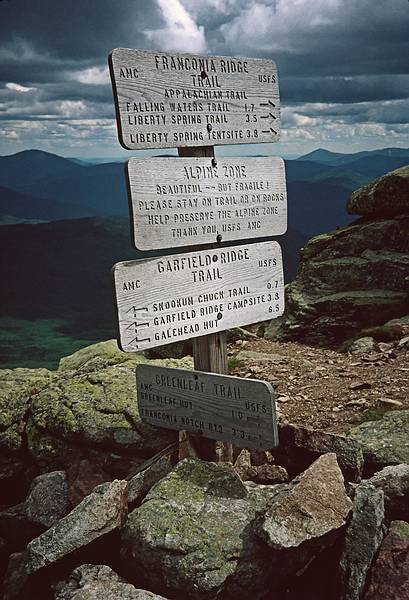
(403,343)
(394,482)
(363,537)
(141,482)
(99,582)
(363,345)
(47,501)
(349,281)
(384,442)
(99,513)
(300,446)
(312,505)
(384,197)
(192,536)
(238,333)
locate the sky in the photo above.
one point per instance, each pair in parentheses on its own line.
(343,67)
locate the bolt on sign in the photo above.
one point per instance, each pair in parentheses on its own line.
(192,201)
(171,298)
(220,407)
(167,100)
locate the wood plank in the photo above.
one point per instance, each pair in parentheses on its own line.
(191,201)
(166,100)
(170,298)
(209,354)
(219,407)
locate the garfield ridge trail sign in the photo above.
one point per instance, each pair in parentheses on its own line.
(192,201)
(168,100)
(219,407)
(170,298)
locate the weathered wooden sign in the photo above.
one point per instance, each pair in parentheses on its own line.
(172,100)
(219,407)
(170,298)
(192,201)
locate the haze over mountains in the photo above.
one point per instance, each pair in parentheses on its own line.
(65,223)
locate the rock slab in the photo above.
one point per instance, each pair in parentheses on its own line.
(312,505)
(362,540)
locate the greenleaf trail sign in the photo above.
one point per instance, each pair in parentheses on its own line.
(219,407)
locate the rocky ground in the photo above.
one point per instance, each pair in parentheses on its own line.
(324,389)
(95,503)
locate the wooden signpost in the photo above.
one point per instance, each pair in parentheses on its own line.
(192,201)
(173,100)
(240,411)
(172,298)
(192,102)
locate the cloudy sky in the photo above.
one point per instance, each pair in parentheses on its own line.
(343,67)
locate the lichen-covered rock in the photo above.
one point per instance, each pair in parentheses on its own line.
(192,536)
(17,386)
(389,576)
(98,356)
(384,197)
(300,446)
(86,414)
(99,582)
(384,442)
(363,537)
(350,280)
(394,482)
(312,505)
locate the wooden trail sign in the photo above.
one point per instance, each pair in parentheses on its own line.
(170,298)
(230,409)
(192,201)
(167,100)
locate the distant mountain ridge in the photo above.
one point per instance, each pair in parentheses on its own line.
(82,189)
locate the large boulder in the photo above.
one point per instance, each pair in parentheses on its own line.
(352,279)
(192,536)
(384,442)
(384,197)
(95,411)
(90,412)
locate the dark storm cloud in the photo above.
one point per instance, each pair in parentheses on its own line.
(56,31)
(344,60)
